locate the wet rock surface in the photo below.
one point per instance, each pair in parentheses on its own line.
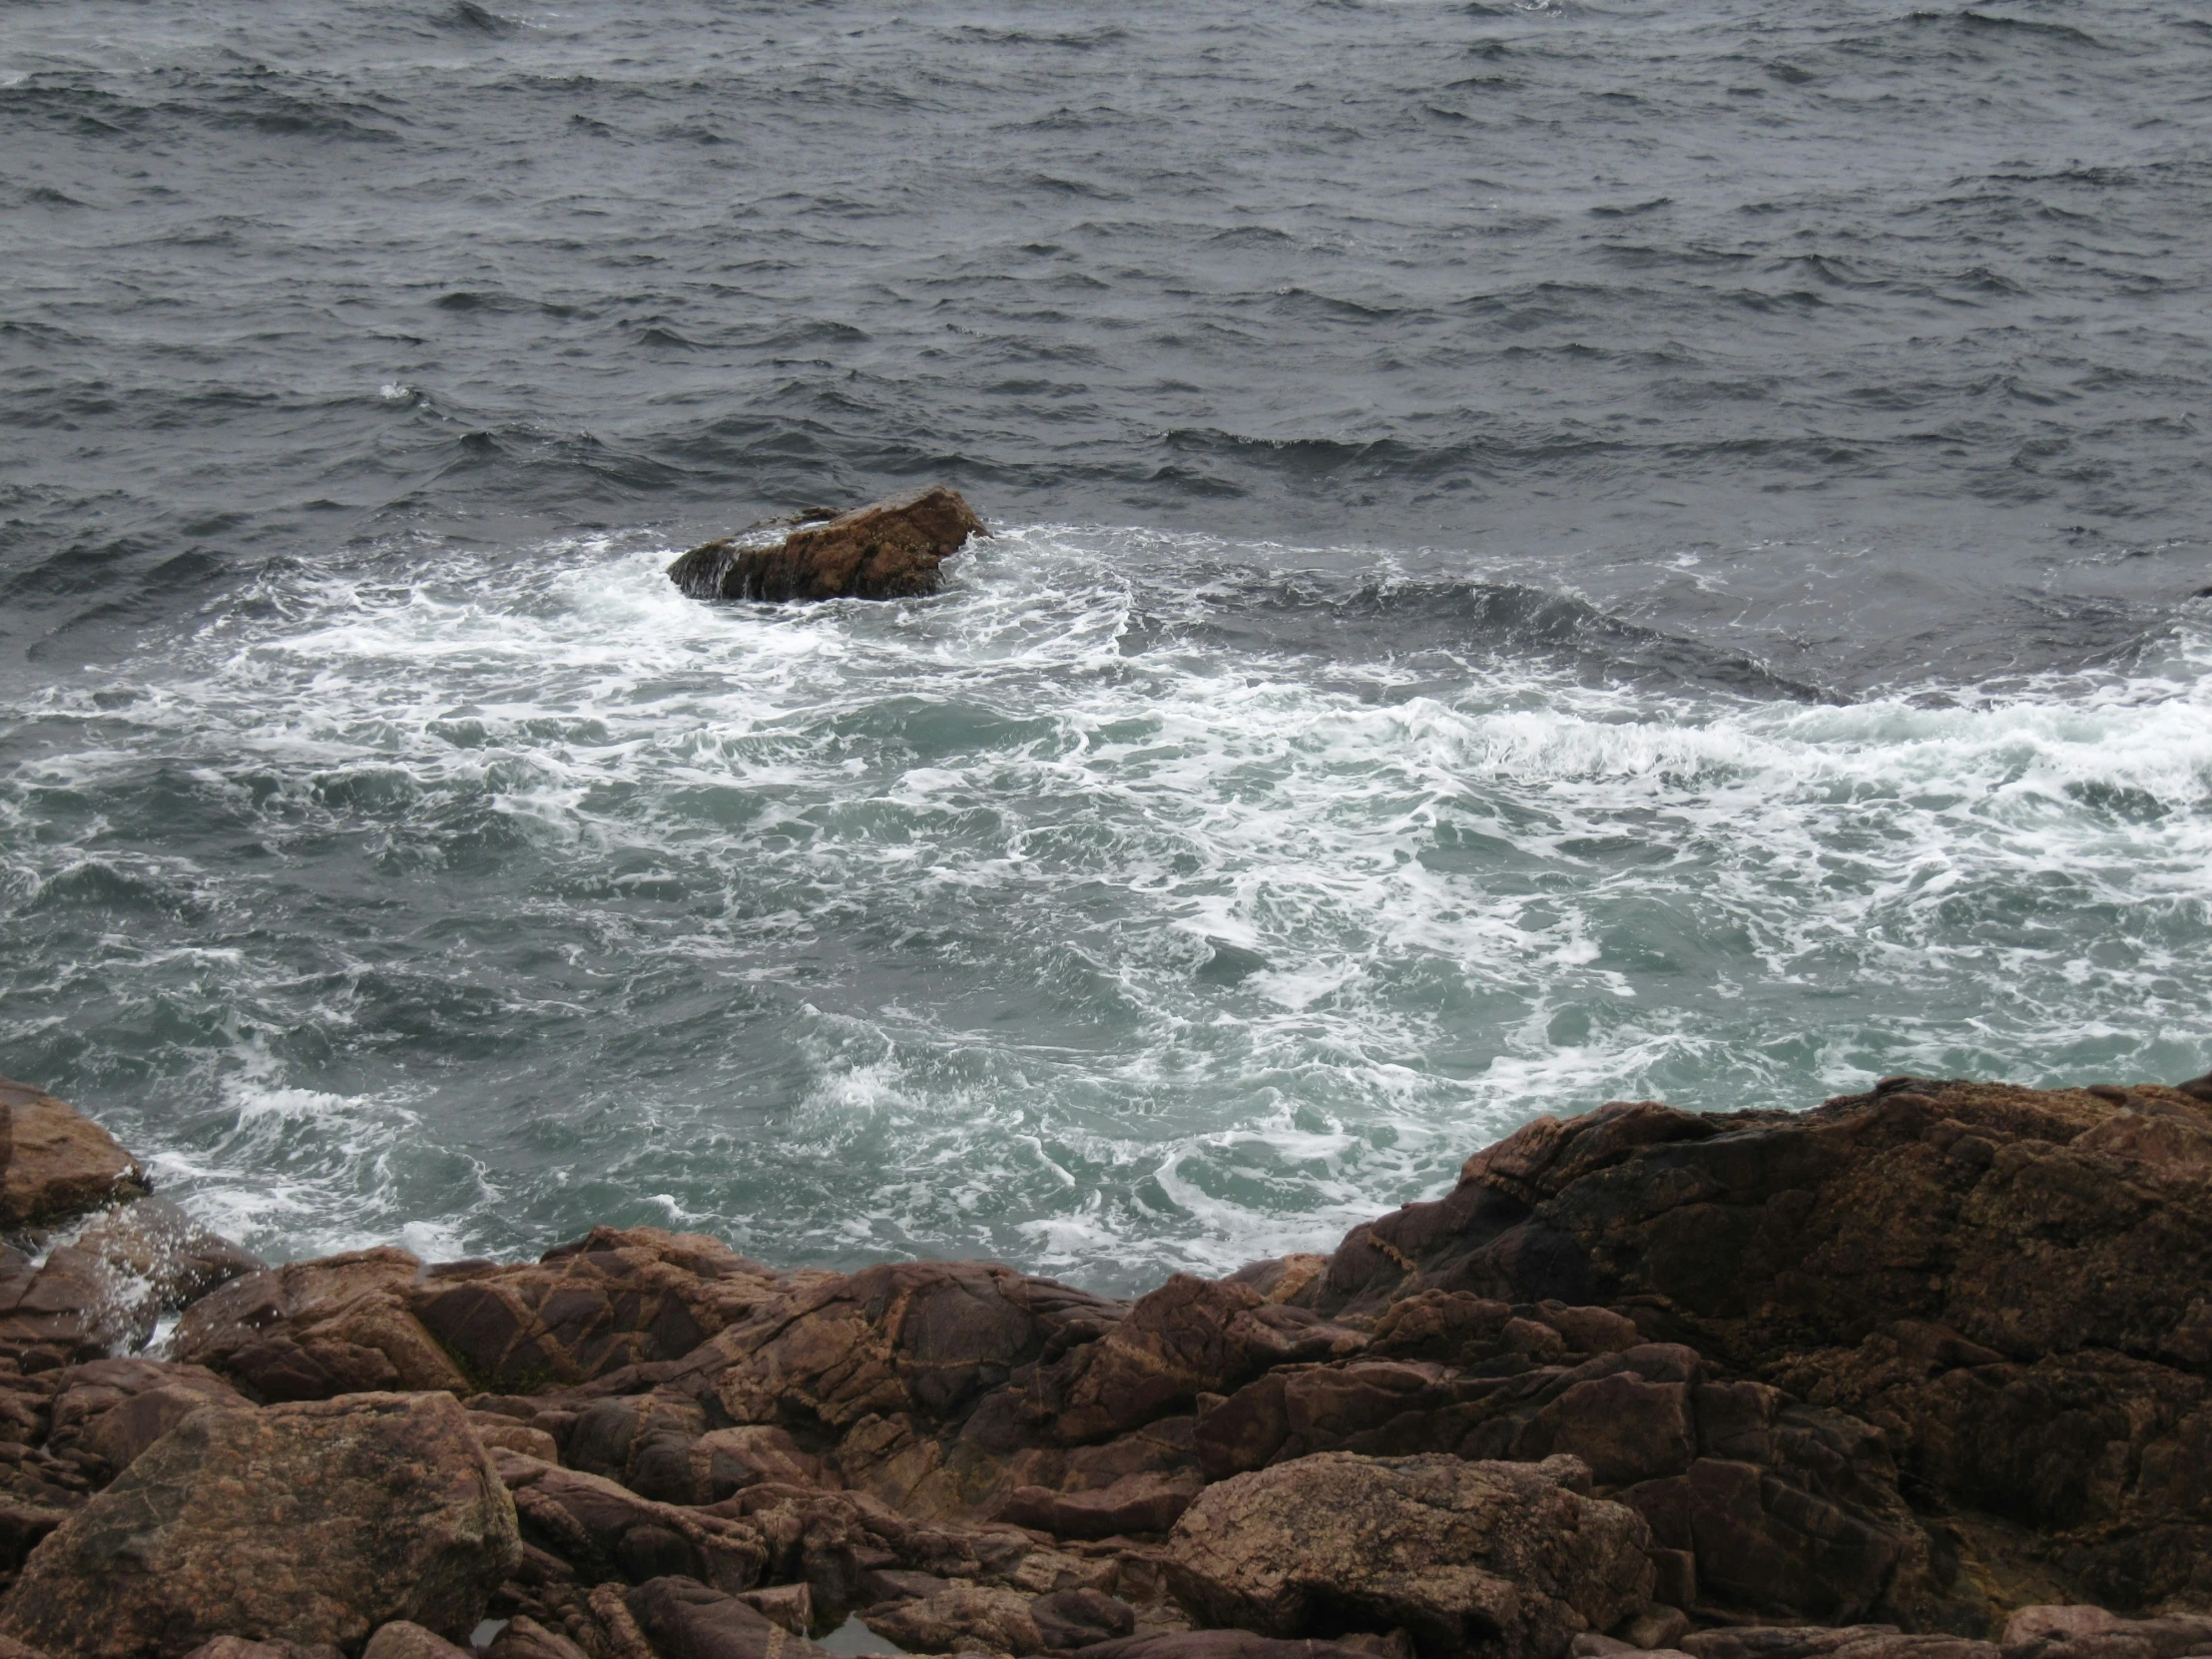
(1922,1374)
(891,550)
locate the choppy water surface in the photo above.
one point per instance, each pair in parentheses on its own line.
(1547,553)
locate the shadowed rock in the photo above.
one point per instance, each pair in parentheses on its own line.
(962,1615)
(687,1620)
(2013,1282)
(605,1531)
(891,550)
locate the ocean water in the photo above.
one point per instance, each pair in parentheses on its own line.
(1546,553)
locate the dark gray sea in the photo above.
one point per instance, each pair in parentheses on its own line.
(1548,552)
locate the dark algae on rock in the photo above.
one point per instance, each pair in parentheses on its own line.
(1923,1373)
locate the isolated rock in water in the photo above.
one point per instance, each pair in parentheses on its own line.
(886,551)
(304,1523)
(1504,1559)
(55,1162)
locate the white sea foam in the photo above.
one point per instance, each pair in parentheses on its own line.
(858,929)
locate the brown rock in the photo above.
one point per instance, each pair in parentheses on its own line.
(685,1619)
(1281,1278)
(58,1163)
(2063,1236)
(904,1373)
(620,1297)
(730,1461)
(525,1638)
(240,1647)
(1080,1619)
(1507,1559)
(1219,1644)
(644,1441)
(789,1605)
(1135,1503)
(316,1330)
(178,1261)
(106,1291)
(23,1527)
(963,1615)
(406,1518)
(2094,1633)
(116,1408)
(402,1639)
(1655,1628)
(496,1430)
(71,1305)
(1859,1641)
(605,1531)
(886,551)
(1190,1337)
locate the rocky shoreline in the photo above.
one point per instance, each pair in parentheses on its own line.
(1919,1373)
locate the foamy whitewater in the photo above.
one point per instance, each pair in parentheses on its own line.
(1055,918)
(1549,552)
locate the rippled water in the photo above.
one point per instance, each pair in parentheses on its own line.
(1547,553)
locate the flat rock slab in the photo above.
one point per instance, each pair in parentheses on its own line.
(308,1523)
(891,550)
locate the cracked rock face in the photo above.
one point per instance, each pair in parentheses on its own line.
(2015,1286)
(1505,1561)
(308,1523)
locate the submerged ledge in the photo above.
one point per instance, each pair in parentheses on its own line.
(1918,1373)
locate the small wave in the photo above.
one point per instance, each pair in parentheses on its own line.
(466,17)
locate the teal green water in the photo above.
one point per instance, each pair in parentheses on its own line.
(1132,906)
